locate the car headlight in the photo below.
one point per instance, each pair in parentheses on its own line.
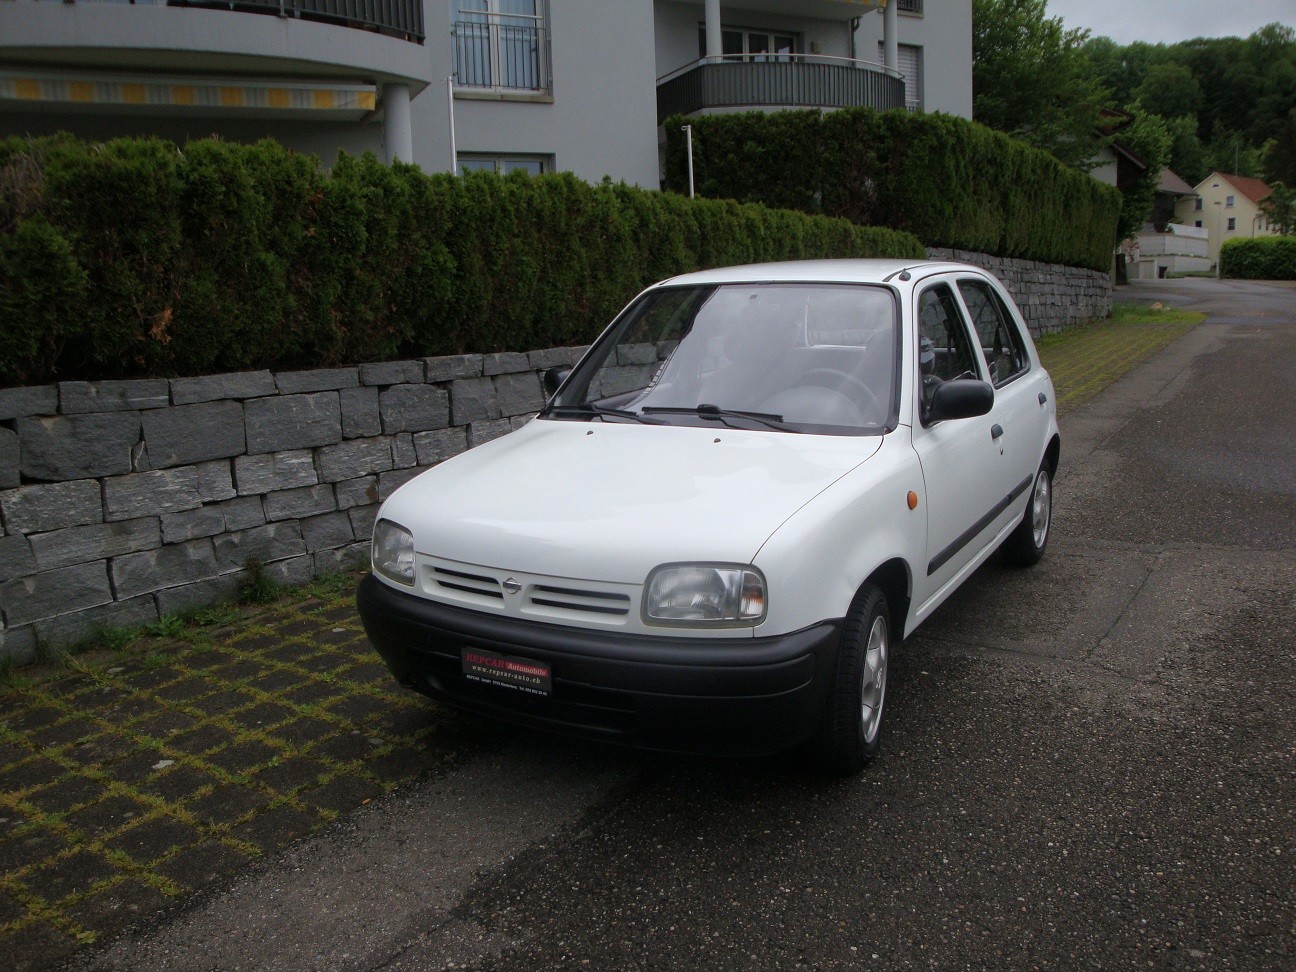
(393,552)
(711,595)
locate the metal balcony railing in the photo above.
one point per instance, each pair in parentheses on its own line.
(396,18)
(502,51)
(778,81)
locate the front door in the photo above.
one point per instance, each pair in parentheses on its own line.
(961,458)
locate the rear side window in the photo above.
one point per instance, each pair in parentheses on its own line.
(1001,343)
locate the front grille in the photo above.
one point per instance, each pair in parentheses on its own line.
(582,601)
(458,580)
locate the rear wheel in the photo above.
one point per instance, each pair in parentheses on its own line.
(1025,545)
(852,725)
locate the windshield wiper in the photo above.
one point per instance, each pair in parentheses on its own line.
(602,411)
(723,414)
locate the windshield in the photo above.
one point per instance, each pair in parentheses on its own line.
(815,358)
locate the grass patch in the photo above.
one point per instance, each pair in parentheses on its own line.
(327,586)
(167,626)
(256,585)
(1126,312)
(1086,358)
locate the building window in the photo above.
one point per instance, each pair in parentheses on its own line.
(913,7)
(1232,223)
(504,164)
(1197,204)
(1228,202)
(1198,224)
(751,45)
(909,59)
(501,44)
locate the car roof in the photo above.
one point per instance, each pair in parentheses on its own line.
(819,271)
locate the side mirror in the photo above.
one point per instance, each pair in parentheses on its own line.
(553,379)
(959,399)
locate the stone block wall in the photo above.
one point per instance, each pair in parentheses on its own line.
(125,501)
(1050,296)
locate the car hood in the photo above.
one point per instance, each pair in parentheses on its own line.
(612,501)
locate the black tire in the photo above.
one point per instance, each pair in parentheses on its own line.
(851,732)
(1026,544)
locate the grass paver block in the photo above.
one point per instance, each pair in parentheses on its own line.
(178,783)
(57,879)
(165,766)
(152,839)
(106,816)
(226,804)
(202,864)
(123,903)
(70,791)
(269,831)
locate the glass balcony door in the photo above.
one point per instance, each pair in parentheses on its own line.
(500,44)
(751,45)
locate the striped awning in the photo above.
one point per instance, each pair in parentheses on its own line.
(201,95)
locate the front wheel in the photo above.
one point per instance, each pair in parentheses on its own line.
(852,724)
(1025,545)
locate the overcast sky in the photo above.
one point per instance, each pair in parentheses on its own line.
(1168,21)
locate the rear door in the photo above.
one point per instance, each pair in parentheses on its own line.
(1018,411)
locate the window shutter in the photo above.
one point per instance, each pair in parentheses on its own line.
(909,60)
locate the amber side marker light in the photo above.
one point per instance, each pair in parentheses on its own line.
(913,500)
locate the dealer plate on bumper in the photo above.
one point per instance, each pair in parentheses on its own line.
(515,673)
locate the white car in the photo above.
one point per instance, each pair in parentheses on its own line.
(756,482)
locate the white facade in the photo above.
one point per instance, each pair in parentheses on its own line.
(1180,249)
(1227,207)
(539,85)
(936,37)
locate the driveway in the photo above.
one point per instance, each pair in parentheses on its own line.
(1091,764)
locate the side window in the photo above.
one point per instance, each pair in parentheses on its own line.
(944,350)
(1001,343)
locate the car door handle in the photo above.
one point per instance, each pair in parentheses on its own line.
(996,430)
(1042,398)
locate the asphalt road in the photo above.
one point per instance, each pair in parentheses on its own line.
(1088,764)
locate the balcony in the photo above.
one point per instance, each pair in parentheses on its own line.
(778,81)
(396,18)
(331,41)
(502,52)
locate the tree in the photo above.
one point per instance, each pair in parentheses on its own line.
(1147,138)
(1243,93)
(1187,157)
(1169,90)
(1280,154)
(1031,79)
(1229,151)
(1280,208)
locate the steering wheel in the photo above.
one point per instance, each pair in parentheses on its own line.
(852,387)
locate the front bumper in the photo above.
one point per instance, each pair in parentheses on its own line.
(749,695)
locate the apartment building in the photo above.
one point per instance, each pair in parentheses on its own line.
(536,85)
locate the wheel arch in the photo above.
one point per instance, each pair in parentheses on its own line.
(895,581)
(1053,454)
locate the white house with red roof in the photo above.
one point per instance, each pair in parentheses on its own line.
(1227,207)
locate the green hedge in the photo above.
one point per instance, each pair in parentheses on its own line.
(135,257)
(950,182)
(1261,258)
